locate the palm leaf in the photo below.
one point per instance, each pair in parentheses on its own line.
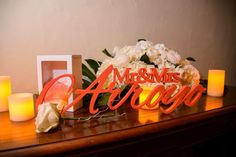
(191,59)
(145,59)
(141,40)
(100,63)
(93,64)
(86,83)
(104,99)
(107,53)
(86,72)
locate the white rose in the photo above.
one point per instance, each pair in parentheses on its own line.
(48,117)
(134,53)
(115,51)
(179,70)
(160,47)
(152,53)
(173,57)
(137,54)
(157,61)
(123,50)
(163,54)
(107,62)
(120,60)
(135,66)
(184,62)
(166,64)
(190,75)
(144,44)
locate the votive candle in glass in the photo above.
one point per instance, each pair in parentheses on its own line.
(21,106)
(216,82)
(5,91)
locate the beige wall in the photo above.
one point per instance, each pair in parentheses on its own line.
(203,29)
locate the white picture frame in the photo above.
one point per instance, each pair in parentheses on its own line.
(51,66)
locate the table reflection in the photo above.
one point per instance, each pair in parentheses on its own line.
(148,116)
(213,103)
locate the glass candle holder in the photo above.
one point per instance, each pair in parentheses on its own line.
(21,106)
(5,91)
(216,82)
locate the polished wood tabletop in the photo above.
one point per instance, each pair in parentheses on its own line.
(112,126)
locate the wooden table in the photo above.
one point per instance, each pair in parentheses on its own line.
(187,131)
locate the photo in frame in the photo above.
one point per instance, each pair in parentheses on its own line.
(52,66)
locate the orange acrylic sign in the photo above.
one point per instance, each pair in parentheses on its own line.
(187,95)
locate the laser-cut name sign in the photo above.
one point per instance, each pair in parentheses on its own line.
(187,95)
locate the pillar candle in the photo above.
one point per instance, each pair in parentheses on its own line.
(21,106)
(216,81)
(5,91)
(144,94)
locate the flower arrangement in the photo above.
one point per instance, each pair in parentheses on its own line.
(143,55)
(146,55)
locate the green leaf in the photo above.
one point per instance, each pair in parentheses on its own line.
(107,53)
(203,82)
(123,87)
(86,100)
(104,99)
(141,40)
(191,59)
(93,64)
(145,59)
(123,90)
(99,62)
(88,73)
(86,83)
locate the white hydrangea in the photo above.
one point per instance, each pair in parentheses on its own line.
(143,45)
(153,54)
(160,47)
(159,54)
(173,57)
(121,60)
(190,75)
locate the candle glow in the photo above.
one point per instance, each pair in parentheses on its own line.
(147,116)
(143,96)
(213,103)
(21,106)
(5,91)
(216,80)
